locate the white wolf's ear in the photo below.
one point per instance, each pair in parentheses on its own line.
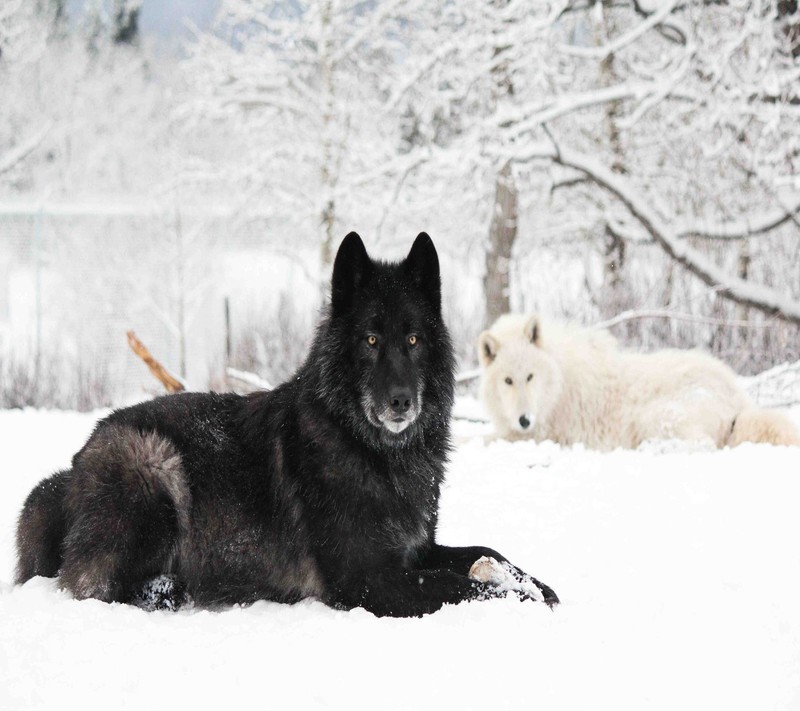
(351,270)
(422,265)
(533,330)
(488,346)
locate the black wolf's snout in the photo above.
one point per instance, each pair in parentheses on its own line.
(400,400)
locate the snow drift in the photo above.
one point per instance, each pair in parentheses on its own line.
(678,571)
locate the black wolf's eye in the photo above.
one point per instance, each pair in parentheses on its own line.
(530,377)
(372,340)
(509,381)
(412,340)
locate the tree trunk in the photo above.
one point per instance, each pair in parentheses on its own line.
(327,213)
(126,22)
(789,19)
(502,235)
(614,295)
(181,288)
(503,227)
(743,272)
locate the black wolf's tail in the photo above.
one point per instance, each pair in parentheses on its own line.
(41,528)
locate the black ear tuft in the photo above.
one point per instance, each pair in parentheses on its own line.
(422,265)
(351,270)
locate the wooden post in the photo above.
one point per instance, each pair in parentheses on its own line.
(228,339)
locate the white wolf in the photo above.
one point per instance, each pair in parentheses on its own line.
(569,384)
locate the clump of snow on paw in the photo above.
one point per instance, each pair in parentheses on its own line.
(485,570)
(504,576)
(161,593)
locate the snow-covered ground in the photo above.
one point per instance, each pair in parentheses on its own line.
(679,573)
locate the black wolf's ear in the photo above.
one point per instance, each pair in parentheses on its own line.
(351,270)
(422,265)
(488,346)
(533,330)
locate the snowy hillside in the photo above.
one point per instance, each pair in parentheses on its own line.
(679,574)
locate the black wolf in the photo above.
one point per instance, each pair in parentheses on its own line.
(327,486)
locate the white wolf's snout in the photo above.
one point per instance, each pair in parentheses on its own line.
(526,421)
(582,387)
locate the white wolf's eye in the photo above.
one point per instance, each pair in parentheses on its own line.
(509,381)
(372,340)
(530,377)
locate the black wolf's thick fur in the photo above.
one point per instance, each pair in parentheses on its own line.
(327,486)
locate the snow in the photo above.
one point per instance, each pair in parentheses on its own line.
(678,572)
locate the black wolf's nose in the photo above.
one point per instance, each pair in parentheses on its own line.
(524,422)
(400,401)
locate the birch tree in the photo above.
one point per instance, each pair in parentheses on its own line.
(307,86)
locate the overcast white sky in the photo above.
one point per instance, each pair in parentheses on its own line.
(166,18)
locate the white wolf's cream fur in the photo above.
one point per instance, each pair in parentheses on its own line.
(572,384)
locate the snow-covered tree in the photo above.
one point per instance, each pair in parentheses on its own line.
(306,92)
(691,108)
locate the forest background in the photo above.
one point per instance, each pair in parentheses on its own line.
(633,165)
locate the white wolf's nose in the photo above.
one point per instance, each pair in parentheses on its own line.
(524,422)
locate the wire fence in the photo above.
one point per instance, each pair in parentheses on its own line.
(73,281)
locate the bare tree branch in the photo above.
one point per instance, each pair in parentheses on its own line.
(172,384)
(250,381)
(468,375)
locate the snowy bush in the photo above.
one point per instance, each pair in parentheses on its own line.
(53,381)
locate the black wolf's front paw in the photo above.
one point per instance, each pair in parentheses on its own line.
(509,578)
(162,593)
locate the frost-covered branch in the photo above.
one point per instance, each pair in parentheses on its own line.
(637,314)
(424,67)
(623,40)
(740,229)
(22,151)
(726,285)
(536,116)
(254,101)
(400,165)
(370,28)
(776,387)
